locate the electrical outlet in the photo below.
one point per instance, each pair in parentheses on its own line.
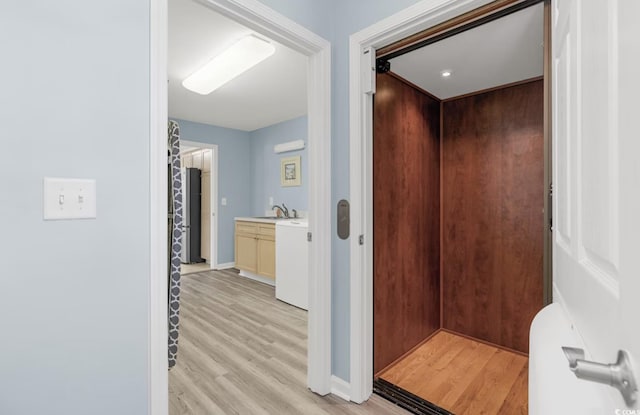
(270,201)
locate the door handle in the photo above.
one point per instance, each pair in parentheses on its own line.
(619,374)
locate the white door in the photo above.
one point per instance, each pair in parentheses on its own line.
(596,162)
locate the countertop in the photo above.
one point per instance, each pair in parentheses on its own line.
(267,220)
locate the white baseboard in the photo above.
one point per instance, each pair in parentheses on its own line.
(258,278)
(340,388)
(226,265)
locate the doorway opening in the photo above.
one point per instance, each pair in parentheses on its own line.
(228,318)
(270,25)
(203,157)
(458,190)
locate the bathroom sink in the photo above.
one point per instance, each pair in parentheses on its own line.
(268,217)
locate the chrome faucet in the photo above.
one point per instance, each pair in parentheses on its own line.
(283,209)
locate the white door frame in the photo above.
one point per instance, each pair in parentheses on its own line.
(362,45)
(213,227)
(256,16)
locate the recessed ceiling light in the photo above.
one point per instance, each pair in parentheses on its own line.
(238,58)
(445,73)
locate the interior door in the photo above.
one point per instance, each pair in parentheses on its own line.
(596,163)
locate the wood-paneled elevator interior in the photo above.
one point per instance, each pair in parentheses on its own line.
(458,203)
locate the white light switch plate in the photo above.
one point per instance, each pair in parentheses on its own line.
(69,199)
(223,202)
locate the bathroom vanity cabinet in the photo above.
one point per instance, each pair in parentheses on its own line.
(256,248)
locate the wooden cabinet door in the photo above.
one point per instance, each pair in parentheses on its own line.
(187,160)
(206,161)
(266,257)
(246,252)
(197,160)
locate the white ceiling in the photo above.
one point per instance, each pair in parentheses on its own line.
(497,53)
(271,92)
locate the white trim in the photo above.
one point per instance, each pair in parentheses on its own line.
(213,262)
(158,365)
(215,172)
(416,18)
(259,278)
(320,208)
(226,265)
(340,388)
(262,19)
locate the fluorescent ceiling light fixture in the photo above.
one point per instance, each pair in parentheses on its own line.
(445,73)
(240,57)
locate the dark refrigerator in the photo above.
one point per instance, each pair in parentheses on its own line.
(191,197)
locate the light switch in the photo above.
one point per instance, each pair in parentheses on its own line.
(69,198)
(223,202)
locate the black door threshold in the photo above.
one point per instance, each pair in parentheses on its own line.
(406,399)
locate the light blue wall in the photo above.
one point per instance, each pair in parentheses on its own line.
(79,289)
(335,20)
(265,181)
(249,172)
(75,103)
(234,181)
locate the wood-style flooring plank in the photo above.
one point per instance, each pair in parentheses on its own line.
(241,351)
(471,362)
(513,405)
(464,376)
(487,392)
(438,365)
(407,367)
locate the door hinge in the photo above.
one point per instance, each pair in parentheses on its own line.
(309,237)
(361,239)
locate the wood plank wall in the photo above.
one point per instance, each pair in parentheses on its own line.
(406,206)
(493,197)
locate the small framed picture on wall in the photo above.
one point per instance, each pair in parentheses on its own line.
(290,171)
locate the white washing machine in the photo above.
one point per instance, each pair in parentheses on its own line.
(292,262)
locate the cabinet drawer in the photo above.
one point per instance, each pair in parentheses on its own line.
(267,230)
(246,227)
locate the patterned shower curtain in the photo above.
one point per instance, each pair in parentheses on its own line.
(175,239)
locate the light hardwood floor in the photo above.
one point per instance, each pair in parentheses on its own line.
(241,351)
(464,376)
